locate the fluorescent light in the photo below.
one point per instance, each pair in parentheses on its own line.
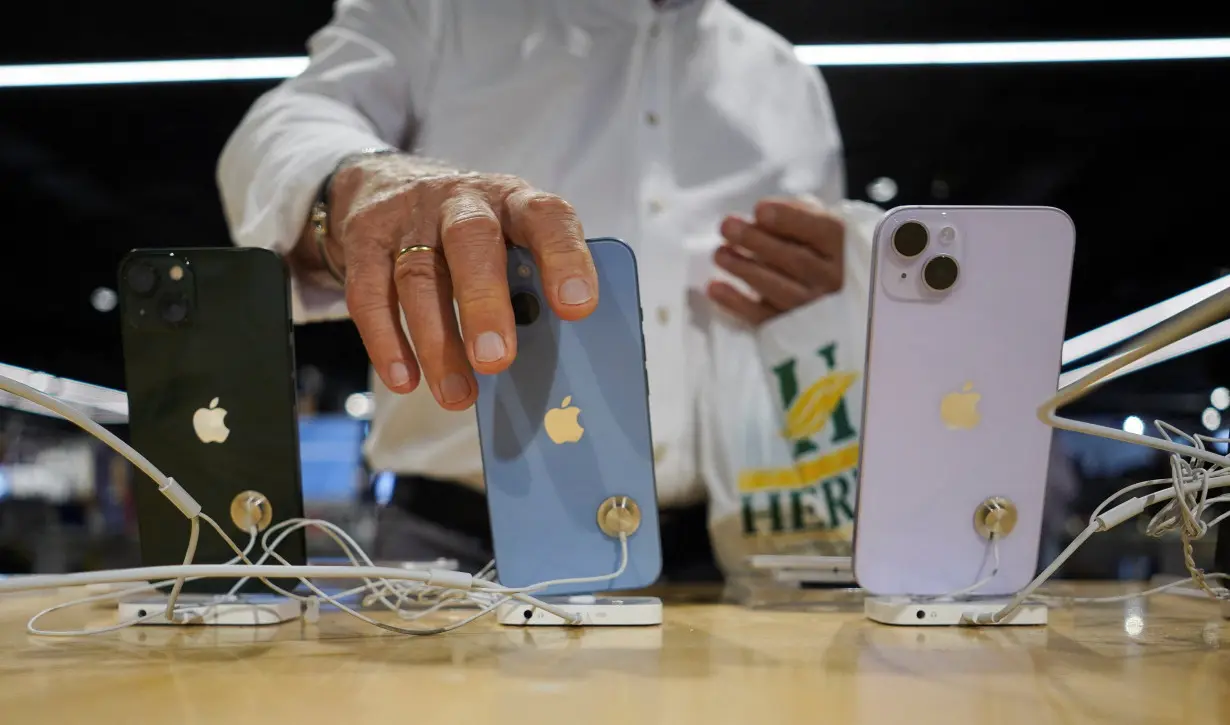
(360,406)
(1210,418)
(1210,335)
(1113,333)
(276,68)
(1074,51)
(150,71)
(1220,398)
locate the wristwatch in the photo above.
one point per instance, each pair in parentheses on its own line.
(320,208)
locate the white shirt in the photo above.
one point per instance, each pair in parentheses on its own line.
(653,122)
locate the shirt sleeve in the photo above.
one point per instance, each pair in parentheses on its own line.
(364,70)
(840,317)
(832,187)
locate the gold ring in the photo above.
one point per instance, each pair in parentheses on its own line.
(414,248)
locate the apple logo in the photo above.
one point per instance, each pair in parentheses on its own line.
(562,424)
(959,411)
(210,423)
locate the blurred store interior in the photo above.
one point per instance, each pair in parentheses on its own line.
(1131,149)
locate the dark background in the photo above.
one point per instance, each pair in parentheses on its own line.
(1135,152)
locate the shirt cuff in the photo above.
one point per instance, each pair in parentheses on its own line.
(310,300)
(278,207)
(314,303)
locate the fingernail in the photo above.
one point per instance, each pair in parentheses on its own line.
(399,375)
(575,292)
(766,214)
(489,347)
(733,227)
(454,388)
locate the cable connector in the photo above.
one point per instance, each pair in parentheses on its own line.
(450,579)
(978,619)
(181,498)
(1125,511)
(311,610)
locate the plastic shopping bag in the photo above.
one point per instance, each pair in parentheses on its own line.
(779,420)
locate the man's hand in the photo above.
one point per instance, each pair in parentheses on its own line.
(458,223)
(791,254)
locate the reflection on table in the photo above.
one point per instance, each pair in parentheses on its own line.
(1155,661)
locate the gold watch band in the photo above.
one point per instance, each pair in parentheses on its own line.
(320,232)
(320,211)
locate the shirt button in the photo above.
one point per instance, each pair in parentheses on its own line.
(651,118)
(659,452)
(664,315)
(655,207)
(654,30)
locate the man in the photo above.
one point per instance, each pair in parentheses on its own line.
(426,132)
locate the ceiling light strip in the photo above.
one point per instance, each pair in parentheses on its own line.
(873,54)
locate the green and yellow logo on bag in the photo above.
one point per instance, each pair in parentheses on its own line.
(819,409)
(815,494)
(811,411)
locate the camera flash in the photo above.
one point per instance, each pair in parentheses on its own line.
(523,271)
(947,234)
(176,273)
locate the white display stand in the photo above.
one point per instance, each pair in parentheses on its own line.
(251,610)
(805,569)
(922,612)
(594,612)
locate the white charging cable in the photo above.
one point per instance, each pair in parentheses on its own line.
(1195,470)
(33,628)
(381,581)
(992,553)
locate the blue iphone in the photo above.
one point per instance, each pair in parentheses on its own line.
(566,427)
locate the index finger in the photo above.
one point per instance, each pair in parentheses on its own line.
(547,225)
(804,222)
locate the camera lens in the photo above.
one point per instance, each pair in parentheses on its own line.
(141,278)
(910,239)
(174,310)
(526,308)
(940,272)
